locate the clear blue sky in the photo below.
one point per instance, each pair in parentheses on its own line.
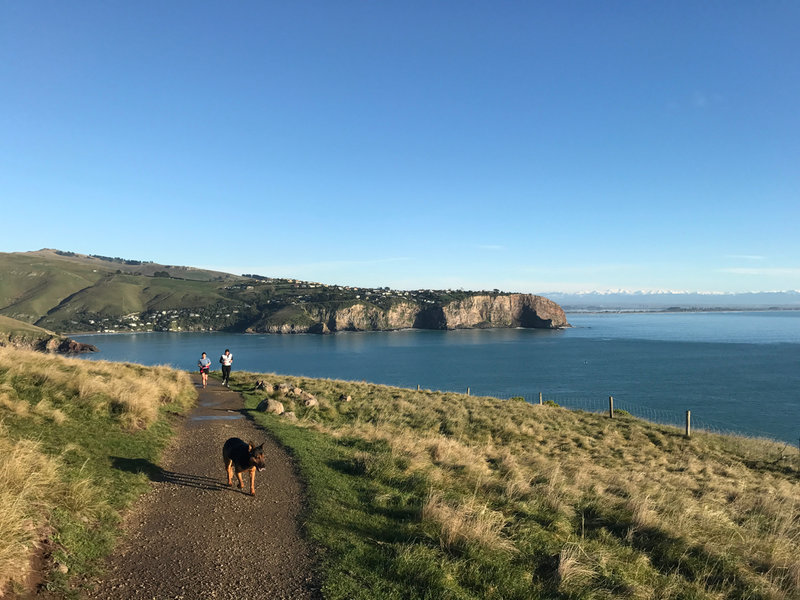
(526,146)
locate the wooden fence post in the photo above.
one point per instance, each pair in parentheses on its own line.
(540,397)
(688,423)
(417,387)
(611,406)
(467,391)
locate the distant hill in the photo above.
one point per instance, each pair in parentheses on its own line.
(70,292)
(669,300)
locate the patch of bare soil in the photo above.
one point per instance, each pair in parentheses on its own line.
(192,536)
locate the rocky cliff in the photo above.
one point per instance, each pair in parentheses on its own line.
(29,337)
(478,311)
(513,310)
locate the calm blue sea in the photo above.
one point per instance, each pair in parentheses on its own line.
(736,372)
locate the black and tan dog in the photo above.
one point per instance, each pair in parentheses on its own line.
(240,456)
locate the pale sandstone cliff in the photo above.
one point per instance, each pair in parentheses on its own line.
(514,310)
(479,311)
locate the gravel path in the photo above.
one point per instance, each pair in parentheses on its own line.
(192,536)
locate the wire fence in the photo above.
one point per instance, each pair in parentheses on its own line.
(647,413)
(674,418)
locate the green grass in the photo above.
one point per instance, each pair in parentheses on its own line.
(435,495)
(85,450)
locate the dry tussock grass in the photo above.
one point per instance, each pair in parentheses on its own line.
(14,405)
(29,481)
(132,392)
(576,569)
(467,523)
(30,488)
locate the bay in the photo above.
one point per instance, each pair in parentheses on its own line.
(736,372)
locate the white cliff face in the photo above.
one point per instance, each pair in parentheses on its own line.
(513,310)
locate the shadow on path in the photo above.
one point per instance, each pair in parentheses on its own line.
(159,475)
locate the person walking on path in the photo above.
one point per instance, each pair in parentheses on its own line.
(205,366)
(226,360)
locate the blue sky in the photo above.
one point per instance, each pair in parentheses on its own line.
(526,146)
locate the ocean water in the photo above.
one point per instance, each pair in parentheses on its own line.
(737,372)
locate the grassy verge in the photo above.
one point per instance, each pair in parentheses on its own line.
(435,495)
(71,436)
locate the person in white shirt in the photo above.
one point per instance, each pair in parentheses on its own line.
(226,360)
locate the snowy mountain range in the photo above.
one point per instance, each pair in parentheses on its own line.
(678,300)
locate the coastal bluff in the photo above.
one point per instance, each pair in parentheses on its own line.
(25,336)
(479,311)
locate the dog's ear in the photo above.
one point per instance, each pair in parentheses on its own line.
(261,446)
(250,446)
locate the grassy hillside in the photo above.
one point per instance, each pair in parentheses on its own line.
(118,296)
(30,285)
(67,430)
(445,496)
(71,260)
(12,327)
(67,292)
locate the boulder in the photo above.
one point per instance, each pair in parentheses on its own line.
(265,386)
(68,346)
(345,398)
(309,402)
(290,415)
(271,406)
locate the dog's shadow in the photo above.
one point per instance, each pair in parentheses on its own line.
(159,475)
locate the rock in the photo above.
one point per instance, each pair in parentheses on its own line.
(474,311)
(271,406)
(345,398)
(296,391)
(512,310)
(309,402)
(64,345)
(290,415)
(69,346)
(266,386)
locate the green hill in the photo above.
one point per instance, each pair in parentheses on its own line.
(9,326)
(31,284)
(69,292)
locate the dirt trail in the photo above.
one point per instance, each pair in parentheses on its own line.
(192,536)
